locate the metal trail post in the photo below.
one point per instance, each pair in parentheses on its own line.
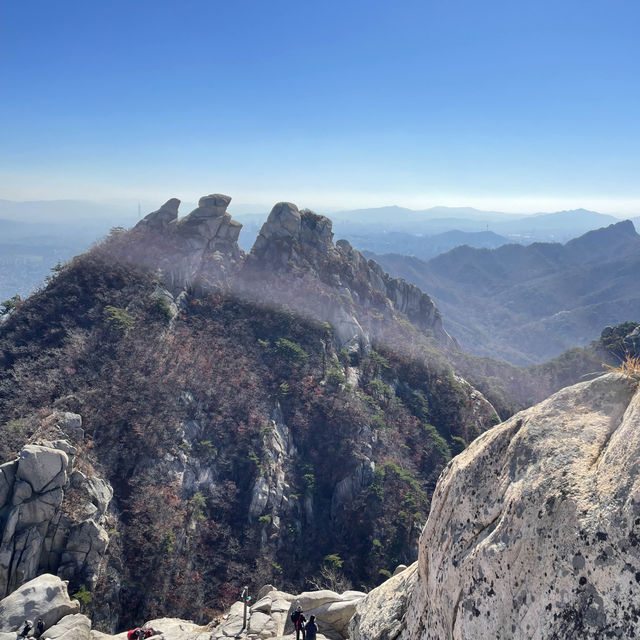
(245,593)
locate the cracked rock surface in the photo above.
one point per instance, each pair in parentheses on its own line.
(534,529)
(36,534)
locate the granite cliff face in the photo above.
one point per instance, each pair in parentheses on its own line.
(533,530)
(199,250)
(52,515)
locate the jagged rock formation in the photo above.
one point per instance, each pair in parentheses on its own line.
(199,250)
(161,218)
(533,530)
(270,493)
(298,245)
(38,534)
(293,246)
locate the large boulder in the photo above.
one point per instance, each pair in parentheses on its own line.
(380,615)
(332,610)
(208,221)
(70,425)
(534,529)
(43,597)
(270,616)
(283,223)
(71,627)
(43,468)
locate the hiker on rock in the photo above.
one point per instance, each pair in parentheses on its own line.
(28,625)
(39,627)
(298,619)
(311,628)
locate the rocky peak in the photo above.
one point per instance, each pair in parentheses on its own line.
(615,240)
(214,202)
(286,227)
(301,242)
(209,225)
(315,229)
(200,248)
(164,216)
(284,220)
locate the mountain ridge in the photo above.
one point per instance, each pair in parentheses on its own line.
(244,438)
(510,289)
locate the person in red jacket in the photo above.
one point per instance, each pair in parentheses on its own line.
(140,633)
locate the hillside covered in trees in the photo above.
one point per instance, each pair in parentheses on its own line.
(271,417)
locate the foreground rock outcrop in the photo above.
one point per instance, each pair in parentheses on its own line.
(381,614)
(46,597)
(40,534)
(534,529)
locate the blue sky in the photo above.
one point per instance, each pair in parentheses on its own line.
(508,105)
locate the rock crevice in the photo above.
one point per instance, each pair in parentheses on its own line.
(37,535)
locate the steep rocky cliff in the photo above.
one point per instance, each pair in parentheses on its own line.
(52,514)
(356,294)
(533,530)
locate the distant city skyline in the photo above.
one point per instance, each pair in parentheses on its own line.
(498,105)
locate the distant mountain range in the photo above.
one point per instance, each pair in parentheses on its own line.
(424,247)
(35,235)
(526,304)
(558,227)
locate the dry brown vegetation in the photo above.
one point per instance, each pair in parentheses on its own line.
(630,366)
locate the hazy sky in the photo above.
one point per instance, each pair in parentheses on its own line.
(510,105)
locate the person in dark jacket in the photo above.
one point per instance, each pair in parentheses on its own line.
(311,628)
(28,625)
(298,620)
(40,627)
